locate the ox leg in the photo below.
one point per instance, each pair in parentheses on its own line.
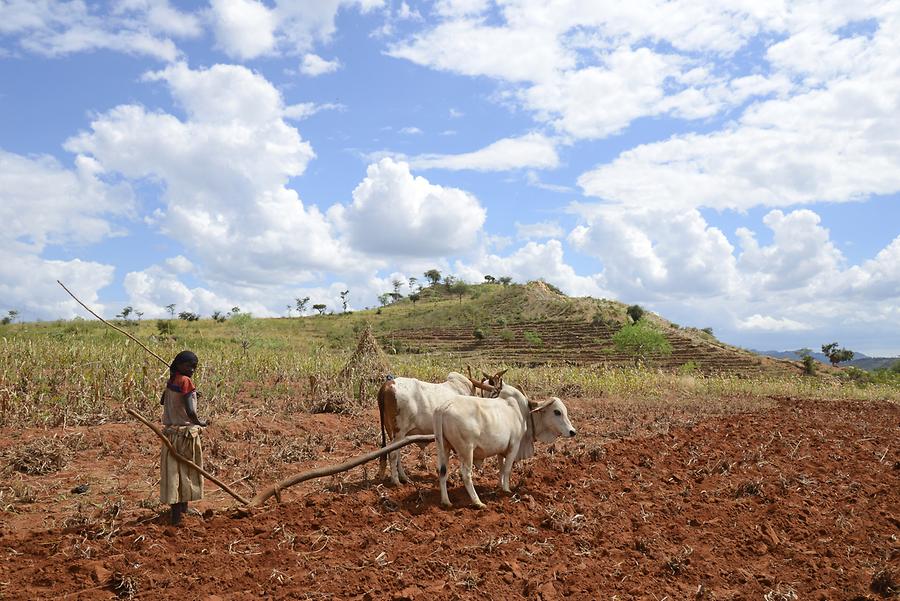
(443,455)
(398,474)
(506,466)
(382,467)
(505,463)
(465,468)
(423,457)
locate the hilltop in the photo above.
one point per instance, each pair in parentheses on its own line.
(525,325)
(531,324)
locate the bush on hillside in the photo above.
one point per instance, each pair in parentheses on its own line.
(635,312)
(809,364)
(640,341)
(533,338)
(165,327)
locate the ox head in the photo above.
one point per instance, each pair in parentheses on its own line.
(492,384)
(554,420)
(495,380)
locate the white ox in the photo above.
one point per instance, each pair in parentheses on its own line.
(507,426)
(406,406)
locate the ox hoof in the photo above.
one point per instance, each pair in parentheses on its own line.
(480,505)
(447,505)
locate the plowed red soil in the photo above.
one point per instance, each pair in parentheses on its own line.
(797,500)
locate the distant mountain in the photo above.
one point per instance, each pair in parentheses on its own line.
(873,363)
(860,360)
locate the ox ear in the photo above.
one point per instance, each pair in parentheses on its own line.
(542,406)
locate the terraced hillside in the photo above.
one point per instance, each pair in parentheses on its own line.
(532,343)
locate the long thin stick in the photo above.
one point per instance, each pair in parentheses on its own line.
(153,427)
(275,489)
(88,309)
(185,460)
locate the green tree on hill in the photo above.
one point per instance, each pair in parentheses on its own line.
(301,304)
(433,276)
(836,355)
(459,289)
(635,312)
(640,340)
(809,363)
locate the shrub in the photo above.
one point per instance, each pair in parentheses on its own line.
(809,364)
(640,340)
(165,327)
(479,333)
(507,335)
(635,312)
(858,376)
(533,338)
(688,368)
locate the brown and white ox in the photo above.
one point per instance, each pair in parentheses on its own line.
(506,426)
(406,407)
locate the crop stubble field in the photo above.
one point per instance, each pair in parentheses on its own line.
(677,486)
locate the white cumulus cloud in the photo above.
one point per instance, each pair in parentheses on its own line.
(314,65)
(224,169)
(528,151)
(394,212)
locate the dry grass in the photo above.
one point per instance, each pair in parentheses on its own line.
(75,373)
(39,457)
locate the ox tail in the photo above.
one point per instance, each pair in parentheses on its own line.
(387,409)
(438,423)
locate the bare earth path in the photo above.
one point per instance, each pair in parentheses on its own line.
(799,501)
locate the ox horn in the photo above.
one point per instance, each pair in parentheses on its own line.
(482,385)
(543,405)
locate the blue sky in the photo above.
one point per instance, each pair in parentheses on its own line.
(727,164)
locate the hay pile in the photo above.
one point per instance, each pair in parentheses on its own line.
(356,384)
(368,364)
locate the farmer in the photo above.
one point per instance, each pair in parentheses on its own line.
(180,483)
